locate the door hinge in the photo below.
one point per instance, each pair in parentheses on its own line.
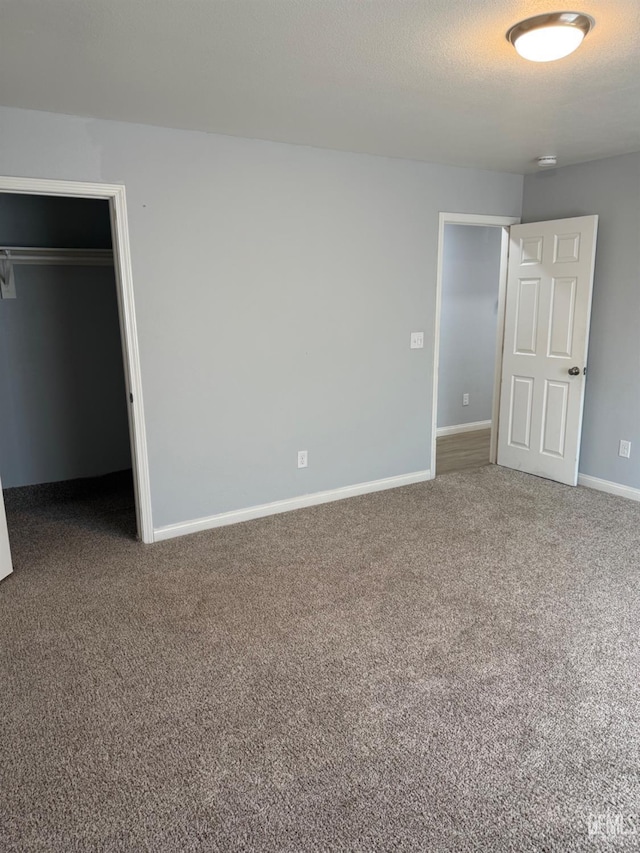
(585,371)
(130,397)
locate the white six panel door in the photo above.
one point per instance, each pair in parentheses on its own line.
(5,551)
(548,308)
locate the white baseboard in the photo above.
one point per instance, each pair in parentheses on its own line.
(607,486)
(454,430)
(262,510)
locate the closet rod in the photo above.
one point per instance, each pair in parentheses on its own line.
(79,257)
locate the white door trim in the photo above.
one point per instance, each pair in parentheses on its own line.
(471,219)
(115,194)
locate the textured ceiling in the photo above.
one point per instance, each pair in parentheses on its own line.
(432,80)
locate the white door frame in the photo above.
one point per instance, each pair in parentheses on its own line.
(115,195)
(472,219)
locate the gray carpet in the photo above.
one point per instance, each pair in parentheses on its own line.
(451,666)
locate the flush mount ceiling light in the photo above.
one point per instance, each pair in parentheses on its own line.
(548,37)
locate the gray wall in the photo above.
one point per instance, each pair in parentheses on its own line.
(276,287)
(468,323)
(610,188)
(62,397)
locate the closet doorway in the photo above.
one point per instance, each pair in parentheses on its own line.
(72,439)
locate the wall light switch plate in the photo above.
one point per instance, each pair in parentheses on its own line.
(303,459)
(417,340)
(625,449)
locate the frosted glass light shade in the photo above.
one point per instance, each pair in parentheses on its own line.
(548,43)
(548,37)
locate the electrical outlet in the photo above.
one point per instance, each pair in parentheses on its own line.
(303,459)
(417,340)
(624,449)
(465,399)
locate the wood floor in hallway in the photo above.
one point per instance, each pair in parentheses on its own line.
(462,451)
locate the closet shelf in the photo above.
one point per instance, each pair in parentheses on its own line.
(77,257)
